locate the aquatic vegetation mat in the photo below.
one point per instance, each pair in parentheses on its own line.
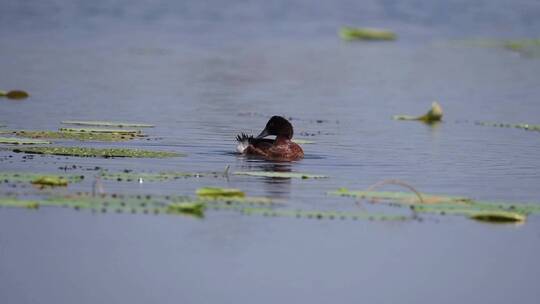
(434,114)
(39,178)
(96,152)
(523,126)
(22,141)
(82,136)
(351,33)
(183,205)
(101,130)
(442,204)
(14,94)
(107,124)
(280,174)
(154,177)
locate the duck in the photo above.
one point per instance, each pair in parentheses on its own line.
(282,148)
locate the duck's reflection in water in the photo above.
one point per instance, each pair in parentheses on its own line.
(274,187)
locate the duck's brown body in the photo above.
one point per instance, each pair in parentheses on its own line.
(281,149)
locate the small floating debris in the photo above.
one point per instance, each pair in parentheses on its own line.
(14,94)
(434,114)
(216,193)
(96,152)
(351,33)
(523,126)
(280,174)
(22,141)
(107,124)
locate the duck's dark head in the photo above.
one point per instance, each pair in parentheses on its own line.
(279,127)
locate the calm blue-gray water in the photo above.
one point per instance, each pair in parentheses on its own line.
(203,71)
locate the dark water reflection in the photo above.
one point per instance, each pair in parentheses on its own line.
(204,72)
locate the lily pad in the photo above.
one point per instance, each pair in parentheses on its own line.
(280,174)
(14,94)
(107,124)
(22,141)
(434,114)
(350,33)
(96,152)
(215,192)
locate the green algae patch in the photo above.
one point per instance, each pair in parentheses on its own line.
(280,174)
(22,141)
(522,126)
(153,177)
(96,152)
(192,208)
(81,136)
(107,124)
(14,94)
(52,181)
(434,114)
(31,177)
(352,33)
(217,193)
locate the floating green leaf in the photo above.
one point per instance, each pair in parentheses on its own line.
(107,124)
(82,136)
(350,33)
(53,181)
(193,208)
(303,141)
(433,115)
(523,126)
(14,94)
(280,174)
(22,141)
(96,152)
(216,193)
(498,217)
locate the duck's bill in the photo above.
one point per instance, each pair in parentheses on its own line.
(263,134)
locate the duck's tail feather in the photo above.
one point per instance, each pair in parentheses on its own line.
(244,141)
